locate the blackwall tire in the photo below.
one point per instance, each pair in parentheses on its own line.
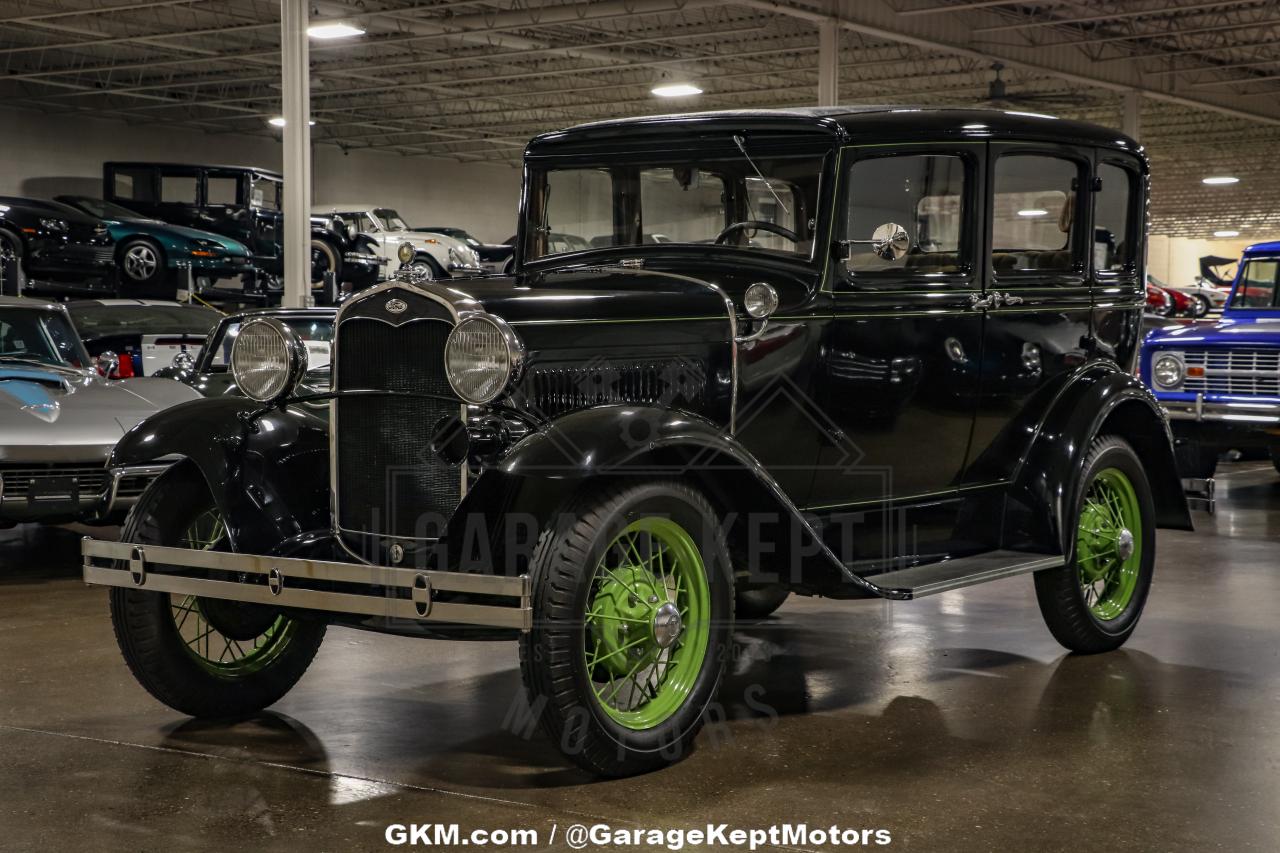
(760,602)
(1093,603)
(598,606)
(143,269)
(154,632)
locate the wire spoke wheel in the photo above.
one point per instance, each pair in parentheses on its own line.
(647,626)
(1109,544)
(226,639)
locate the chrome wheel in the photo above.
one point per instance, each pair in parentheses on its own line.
(141,262)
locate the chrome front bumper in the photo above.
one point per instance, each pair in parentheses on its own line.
(291,582)
(1241,412)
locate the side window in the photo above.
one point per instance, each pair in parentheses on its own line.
(925,194)
(1113,222)
(579,210)
(222,190)
(1034,213)
(178,189)
(132,185)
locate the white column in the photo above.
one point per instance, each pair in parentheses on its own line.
(828,62)
(295,65)
(1133,115)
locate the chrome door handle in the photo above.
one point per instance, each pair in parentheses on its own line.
(982,303)
(1010,299)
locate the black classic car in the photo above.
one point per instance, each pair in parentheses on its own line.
(210,372)
(245,204)
(54,248)
(620,447)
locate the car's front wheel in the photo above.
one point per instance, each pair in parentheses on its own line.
(1200,305)
(142,265)
(632,622)
(324,258)
(203,657)
(1092,604)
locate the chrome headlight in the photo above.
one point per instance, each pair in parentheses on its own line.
(406,252)
(1168,370)
(268,360)
(760,300)
(482,358)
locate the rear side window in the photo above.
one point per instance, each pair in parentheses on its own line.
(1113,219)
(132,185)
(222,190)
(923,193)
(178,189)
(1034,213)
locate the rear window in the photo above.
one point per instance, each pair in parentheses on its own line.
(100,321)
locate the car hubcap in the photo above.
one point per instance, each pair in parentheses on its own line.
(647,628)
(140,263)
(1109,544)
(422,270)
(225,638)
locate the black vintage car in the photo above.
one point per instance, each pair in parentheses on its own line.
(52,248)
(616,449)
(245,204)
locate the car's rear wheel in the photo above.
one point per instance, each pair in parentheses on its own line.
(1200,305)
(1092,604)
(632,606)
(203,657)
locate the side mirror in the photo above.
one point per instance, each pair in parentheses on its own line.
(890,241)
(108,364)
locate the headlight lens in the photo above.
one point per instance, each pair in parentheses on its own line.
(1168,371)
(482,358)
(267,359)
(406,252)
(760,300)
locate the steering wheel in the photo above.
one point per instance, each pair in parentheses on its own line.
(759,226)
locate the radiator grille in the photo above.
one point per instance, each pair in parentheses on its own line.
(389,483)
(17,481)
(1241,372)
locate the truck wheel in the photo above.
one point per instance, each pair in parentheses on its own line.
(760,602)
(324,258)
(1275,458)
(203,657)
(1093,603)
(1195,460)
(632,622)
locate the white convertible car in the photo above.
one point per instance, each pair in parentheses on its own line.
(435,255)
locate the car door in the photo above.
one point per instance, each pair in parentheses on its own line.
(901,354)
(1037,298)
(1116,260)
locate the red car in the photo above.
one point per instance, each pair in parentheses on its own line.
(1168,303)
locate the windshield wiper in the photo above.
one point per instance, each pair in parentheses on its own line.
(742,146)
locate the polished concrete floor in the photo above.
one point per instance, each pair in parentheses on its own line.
(955,722)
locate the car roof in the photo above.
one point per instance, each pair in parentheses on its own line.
(123,302)
(285,312)
(850,124)
(345,207)
(28,302)
(149,164)
(1269,248)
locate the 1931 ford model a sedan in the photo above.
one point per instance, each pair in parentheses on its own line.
(844,352)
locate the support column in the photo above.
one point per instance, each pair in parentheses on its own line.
(828,62)
(295,65)
(1133,115)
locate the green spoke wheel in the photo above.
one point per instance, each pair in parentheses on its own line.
(632,593)
(1109,544)
(646,623)
(1092,604)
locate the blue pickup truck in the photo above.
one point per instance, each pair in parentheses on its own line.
(1220,383)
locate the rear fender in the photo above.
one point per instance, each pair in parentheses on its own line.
(269,476)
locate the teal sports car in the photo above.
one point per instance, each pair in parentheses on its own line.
(149,252)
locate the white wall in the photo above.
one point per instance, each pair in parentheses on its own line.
(1176,260)
(41,156)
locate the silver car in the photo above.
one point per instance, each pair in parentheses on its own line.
(59,420)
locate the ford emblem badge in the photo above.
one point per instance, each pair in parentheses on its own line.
(396,306)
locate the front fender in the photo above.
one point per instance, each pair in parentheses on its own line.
(269,477)
(1100,401)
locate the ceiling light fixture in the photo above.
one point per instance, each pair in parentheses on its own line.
(1226,233)
(1033,211)
(1215,180)
(278,121)
(333,31)
(676,90)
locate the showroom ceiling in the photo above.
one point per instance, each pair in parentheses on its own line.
(474,80)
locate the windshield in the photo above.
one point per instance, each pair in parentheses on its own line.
(316,333)
(40,335)
(764,203)
(105,209)
(100,321)
(1257,287)
(389,219)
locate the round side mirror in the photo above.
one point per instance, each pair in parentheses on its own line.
(890,241)
(108,364)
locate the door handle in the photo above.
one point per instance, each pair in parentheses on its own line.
(1010,299)
(982,303)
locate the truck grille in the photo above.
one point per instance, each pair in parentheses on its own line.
(1240,372)
(16,482)
(389,483)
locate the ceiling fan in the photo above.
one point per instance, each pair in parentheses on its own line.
(998,94)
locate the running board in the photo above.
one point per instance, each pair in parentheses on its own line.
(932,578)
